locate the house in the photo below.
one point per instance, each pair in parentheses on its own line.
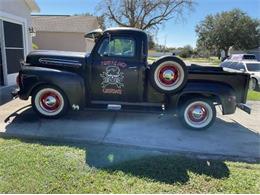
(16,42)
(63,32)
(256,52)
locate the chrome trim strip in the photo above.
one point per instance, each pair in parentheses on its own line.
(59,61)
(127,103)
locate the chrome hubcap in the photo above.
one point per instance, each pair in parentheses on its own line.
(168,75)
(50,101)
(198,113)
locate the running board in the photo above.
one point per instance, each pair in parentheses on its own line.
(128,103)
(124,106)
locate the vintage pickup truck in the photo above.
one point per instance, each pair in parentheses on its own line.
(116,75)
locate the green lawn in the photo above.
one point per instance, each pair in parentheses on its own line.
(211,60)
(253,95)
(45,168)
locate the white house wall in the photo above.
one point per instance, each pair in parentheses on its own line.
(16,11)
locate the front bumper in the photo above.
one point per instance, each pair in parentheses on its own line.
(244,107)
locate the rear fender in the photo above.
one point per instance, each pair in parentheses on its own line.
(70,83)
(223,93)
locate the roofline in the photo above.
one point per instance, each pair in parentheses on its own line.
(52,15)
(48,31)
(48,15)
(32,5)
(124,28)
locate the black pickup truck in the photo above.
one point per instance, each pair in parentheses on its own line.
(116,75)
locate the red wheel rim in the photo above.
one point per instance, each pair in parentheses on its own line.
(50,101)
(197,113)
(168,75)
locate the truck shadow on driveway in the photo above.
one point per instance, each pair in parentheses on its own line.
(147,131)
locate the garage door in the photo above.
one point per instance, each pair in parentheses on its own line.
(14,46)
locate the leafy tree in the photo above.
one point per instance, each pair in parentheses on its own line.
(231,28)
(142,14)
(186,51)
(151,42)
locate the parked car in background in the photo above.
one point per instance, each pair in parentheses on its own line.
(245,63)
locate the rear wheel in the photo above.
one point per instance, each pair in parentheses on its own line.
(49,102)
(198,113)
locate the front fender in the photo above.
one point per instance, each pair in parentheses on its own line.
(70,83)
(223,92)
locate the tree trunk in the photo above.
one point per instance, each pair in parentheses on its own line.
(226,52)
(219,54)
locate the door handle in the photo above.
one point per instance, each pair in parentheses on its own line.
(133,67)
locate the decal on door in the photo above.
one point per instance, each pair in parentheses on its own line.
(113,78)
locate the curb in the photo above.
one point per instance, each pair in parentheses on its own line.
(81,142)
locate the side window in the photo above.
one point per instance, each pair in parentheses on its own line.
(234,66)
(227,65)
(118,46)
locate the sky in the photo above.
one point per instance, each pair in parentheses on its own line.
(174,33)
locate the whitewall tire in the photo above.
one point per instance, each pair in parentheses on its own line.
(198,113)
(168,75)
(49,102)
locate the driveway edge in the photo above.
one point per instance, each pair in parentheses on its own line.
(81,142)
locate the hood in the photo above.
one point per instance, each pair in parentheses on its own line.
(57,59)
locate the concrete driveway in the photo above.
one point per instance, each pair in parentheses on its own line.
(234,135)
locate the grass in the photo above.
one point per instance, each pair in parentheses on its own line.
(211,60)
(253,95)
(44,168)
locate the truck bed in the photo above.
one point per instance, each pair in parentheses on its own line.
(237,81)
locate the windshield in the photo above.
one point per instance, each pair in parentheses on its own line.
(254,67)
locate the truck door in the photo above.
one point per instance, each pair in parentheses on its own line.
(115,73)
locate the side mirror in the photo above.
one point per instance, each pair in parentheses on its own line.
(242,70)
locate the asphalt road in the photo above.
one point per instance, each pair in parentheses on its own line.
(233,135)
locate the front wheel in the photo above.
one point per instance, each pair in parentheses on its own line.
(198,113)
(49,102)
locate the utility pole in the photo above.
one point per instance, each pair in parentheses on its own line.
(165,38)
